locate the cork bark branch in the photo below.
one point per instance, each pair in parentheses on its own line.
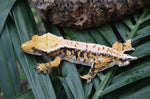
(86,13)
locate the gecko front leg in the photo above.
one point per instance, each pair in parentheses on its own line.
(43,67)
(97,66)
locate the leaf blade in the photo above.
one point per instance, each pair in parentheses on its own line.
(40,84)
(134,74)
(25,95)
(69,71)
(108,33)
(6,6)
(11,76)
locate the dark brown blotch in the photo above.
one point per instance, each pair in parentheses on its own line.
(82,53)
(76,53)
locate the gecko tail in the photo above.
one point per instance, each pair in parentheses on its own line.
(123,47)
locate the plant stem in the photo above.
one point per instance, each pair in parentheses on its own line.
(136,26)
(105,82)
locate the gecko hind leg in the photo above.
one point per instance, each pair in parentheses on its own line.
(92,73)
(97,66)
(43,67)
(123,47)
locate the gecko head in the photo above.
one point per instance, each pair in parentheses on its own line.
(44,43)
(29,46)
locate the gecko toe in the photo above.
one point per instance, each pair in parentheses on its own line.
(42,68)
(88,81)
(45,72)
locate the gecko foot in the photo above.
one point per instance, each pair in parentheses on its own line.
(87,77)
(42,68)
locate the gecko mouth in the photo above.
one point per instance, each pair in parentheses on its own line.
(38,54)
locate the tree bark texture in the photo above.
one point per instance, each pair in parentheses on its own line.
(86,13)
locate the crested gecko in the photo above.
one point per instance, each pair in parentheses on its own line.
(98,57)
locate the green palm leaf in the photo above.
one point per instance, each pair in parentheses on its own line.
(9,76)
(25,95)
(37,82)
(6,6)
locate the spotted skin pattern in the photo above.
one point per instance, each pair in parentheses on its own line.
(98,57)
